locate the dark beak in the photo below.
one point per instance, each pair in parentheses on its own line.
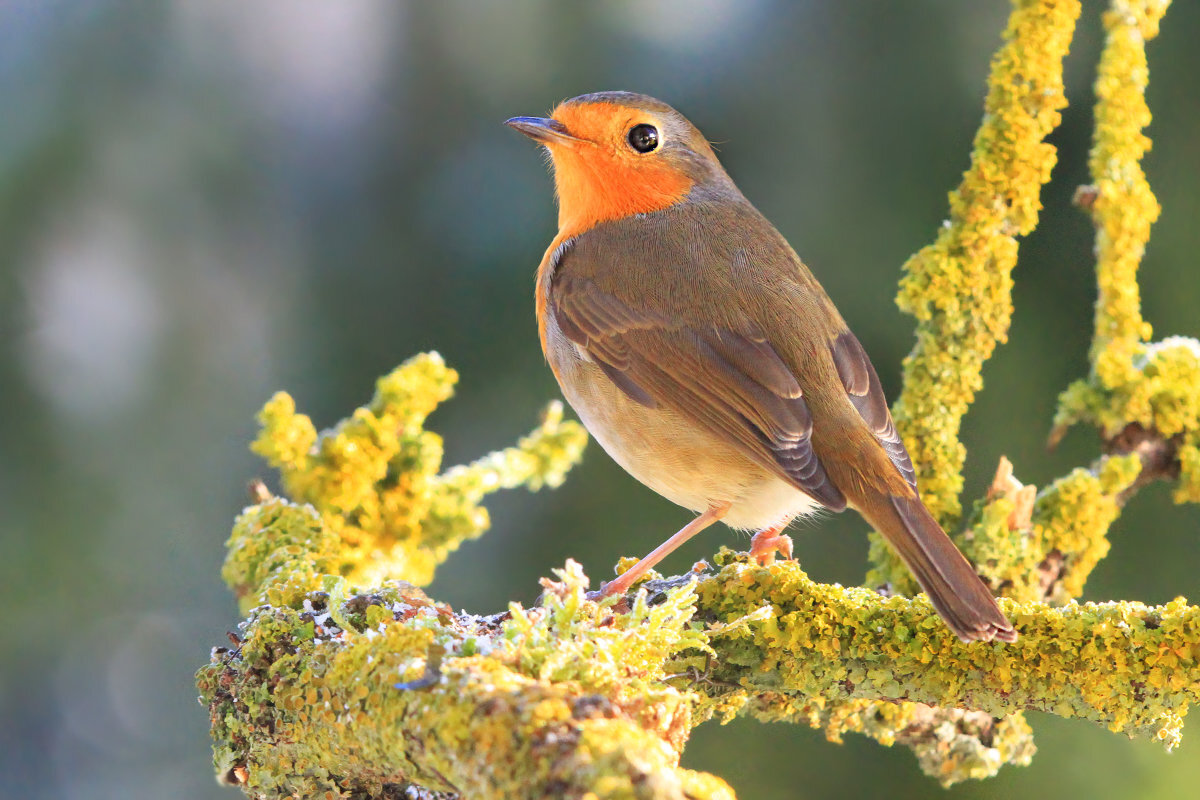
(541,129)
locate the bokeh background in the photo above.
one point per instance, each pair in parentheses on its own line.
(204,201)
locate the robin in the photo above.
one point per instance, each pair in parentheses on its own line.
(707,360)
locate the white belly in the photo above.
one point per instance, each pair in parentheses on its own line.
(673,456)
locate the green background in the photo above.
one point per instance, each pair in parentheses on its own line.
(203,202)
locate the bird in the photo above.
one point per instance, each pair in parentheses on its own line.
(708,362)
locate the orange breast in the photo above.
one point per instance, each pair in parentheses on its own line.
(598,180)
(542,291)
(595,187)
(602,179)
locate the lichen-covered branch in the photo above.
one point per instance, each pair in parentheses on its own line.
(1144,398)
(960,287)
(1049,554)
(1155,387)
(820,644)
(347,680)
(1120,200)
(374,479)
(563,700)
(573,697)
(1045,548)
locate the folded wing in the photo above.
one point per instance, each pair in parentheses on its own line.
(731,381)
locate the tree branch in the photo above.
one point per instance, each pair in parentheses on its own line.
(344,679)
(569,697)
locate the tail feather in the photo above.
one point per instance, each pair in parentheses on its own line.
(958,594)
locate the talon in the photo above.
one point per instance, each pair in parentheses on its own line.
(766,543)
(785,546)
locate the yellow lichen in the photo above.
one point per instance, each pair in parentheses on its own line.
(1155,386)
(279,552)
(841,644)
(574,697)
(1123,208)
(960,287)
(580,697)
(346,679)
(374,481)
(1188,489)
(1052,558)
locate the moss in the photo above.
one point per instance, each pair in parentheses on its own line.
(574,698)
(960,287)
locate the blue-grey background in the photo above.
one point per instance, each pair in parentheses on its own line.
(204,201)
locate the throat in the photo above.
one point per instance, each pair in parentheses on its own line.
(594,191)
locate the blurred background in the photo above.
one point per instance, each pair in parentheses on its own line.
(204,201)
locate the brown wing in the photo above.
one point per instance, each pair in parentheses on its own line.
(866,394)
(732,382)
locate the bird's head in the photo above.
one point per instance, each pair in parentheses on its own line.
(616,154)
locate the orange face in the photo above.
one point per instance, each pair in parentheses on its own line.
(601,172)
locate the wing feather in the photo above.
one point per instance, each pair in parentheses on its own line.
(733,382)
(866,394)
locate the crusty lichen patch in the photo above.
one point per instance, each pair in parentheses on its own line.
(563,699)
(1132,381)
(1051,558)
(346,680)
(960,287)
(828,644)
(574,696)
(376,506)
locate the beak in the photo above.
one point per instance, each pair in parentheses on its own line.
(543,130)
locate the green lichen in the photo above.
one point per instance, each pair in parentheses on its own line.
(949,743)
(960,287)
(829,644)
(564,639)
(574,696)
(1052,558)
(1132,382)
(279,552)
(1188,489)
(579,697)
(373,479)
(1159,391)
(349,681)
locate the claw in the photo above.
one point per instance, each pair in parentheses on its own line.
(766,543)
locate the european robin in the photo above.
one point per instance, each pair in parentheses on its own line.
(707,360)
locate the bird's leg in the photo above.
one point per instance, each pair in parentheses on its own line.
(627,578)
(770,540)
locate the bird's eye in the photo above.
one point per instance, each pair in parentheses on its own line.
(643,138)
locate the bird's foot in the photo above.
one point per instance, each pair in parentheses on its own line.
(766,543)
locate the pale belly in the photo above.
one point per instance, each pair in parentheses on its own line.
(674,457)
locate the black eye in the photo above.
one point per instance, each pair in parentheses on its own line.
(643,138)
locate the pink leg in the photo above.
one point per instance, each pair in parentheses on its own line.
(621,584)
(768,541)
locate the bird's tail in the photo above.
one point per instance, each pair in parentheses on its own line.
(958,594)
